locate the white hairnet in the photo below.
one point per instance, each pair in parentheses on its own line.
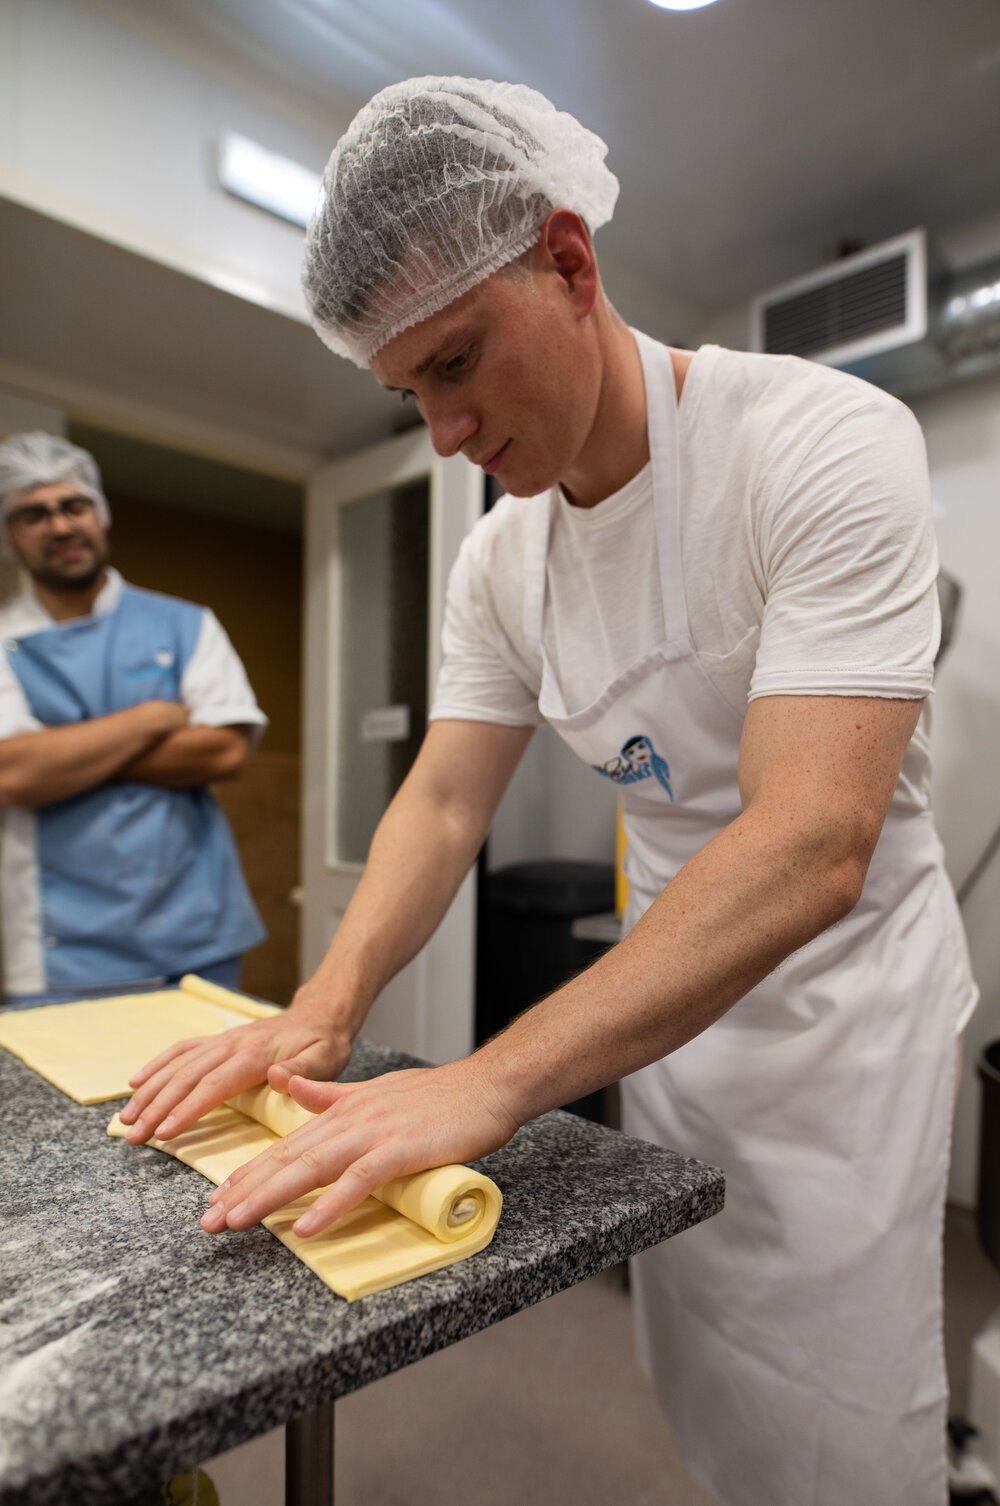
(435,185)
(37,459)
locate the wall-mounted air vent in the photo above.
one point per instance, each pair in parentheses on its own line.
(872,301)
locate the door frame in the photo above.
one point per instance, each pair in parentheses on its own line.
(429,1009)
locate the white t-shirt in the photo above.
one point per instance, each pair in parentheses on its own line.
(808,553)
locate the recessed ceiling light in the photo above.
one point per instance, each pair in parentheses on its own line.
(681,4)
(270,181)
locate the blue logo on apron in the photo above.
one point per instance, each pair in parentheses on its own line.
(637,760)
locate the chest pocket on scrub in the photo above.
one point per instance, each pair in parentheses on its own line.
(151,676)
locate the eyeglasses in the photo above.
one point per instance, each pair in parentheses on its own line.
(34,515)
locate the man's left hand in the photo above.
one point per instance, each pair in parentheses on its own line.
(365,1134)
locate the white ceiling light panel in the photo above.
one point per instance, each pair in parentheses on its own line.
(270,181)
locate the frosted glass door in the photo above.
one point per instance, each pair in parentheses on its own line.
(381,637)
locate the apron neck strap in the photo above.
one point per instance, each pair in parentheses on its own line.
(661,422)
(664,455)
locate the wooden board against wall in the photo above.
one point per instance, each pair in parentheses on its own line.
(263,809)
(251,578)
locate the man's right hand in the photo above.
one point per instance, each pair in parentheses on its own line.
(191,1077)
(162,717)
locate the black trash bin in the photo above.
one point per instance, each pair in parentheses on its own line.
(988,1210)
(526,945)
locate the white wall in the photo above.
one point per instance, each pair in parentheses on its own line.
(105,127)
(18,413)
(962,429)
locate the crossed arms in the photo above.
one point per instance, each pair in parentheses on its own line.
(151,743)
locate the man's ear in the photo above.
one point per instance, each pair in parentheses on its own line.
(564,246)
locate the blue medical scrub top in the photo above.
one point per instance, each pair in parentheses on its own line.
(136,882)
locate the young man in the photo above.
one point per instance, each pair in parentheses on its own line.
(117,706)
(725,561)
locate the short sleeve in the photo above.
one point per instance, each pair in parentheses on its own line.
(15,713)
(214,685)
(848,565)
(480,679)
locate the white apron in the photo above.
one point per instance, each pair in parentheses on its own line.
(795,1340)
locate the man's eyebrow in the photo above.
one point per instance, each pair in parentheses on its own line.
(453,337)
(418,371)
(427,364)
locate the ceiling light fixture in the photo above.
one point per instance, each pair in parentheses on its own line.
(681,4)
(264,178)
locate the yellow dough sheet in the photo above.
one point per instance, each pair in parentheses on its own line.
(89,1049)
(92,1047)
(408,1227)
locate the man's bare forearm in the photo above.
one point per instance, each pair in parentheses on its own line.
(416,864)
(37,768)
(817,776)
(718,928)
(189,756)
(424,846)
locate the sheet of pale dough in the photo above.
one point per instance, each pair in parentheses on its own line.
(410,1226)
(91,1048)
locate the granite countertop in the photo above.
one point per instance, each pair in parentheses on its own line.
(133,1345)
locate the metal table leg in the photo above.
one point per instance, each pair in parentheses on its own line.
(309,1459)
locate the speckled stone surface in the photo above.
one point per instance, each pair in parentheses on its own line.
(133,1345)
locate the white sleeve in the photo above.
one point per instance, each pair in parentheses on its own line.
(214,685)
(15,713)
(848,562)
(479,679)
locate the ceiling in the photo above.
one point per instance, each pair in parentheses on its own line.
(752,138)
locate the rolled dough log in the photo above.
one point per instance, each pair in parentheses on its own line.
(412,1225)
(444,1204)
(407,1228)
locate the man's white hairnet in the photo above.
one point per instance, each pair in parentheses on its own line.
(37,459)
(435,185)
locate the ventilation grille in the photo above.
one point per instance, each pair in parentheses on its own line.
(869,302)
(838,313)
